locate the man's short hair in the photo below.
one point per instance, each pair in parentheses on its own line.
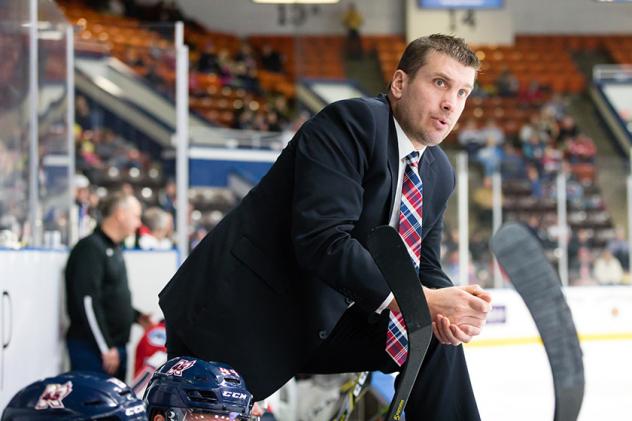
(109,204)
(155,218)
(416,52)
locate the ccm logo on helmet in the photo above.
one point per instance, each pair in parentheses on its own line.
(236,395)
(138,409)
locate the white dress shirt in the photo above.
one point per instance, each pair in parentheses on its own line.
(405,147)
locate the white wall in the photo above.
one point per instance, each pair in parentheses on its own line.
(243,17)
(570,16)
(30,318)
(32,314)
(492,26)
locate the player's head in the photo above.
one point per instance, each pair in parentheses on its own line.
(187,388)
(76,396)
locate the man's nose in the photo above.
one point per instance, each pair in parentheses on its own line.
(447,103)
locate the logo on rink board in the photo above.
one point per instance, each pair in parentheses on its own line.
(498,314)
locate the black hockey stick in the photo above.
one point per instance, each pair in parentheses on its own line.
(390,255)
(520,254)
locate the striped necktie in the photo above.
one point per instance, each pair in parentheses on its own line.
(410,230)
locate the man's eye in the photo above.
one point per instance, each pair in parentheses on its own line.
(463,93)
(440,82)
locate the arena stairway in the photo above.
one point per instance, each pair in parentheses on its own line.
(115,87)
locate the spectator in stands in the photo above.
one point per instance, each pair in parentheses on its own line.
(533,175)
(453,267)
(491,131)
(549,123)
(244,119)
(85,214)
(583,272)
(551,162)
(512,165)
(580,239)
(87,159)
(574,187)
(133,57)
(580,148)
(198,235)
(273,122)
(271,59)
(532,93)
(246,56)
(483,199)
(84,116)
(490,157)
(491,154)
(279,103)
(352,21)
(555,107)
(245,77)
(535,226)
(471,138)
(97,293)
(260,122)
(620,248)
(208,62)
(156,232)
(533,126)
(533,151)
(167,198)
(607,269)
(507,84)
(567,130)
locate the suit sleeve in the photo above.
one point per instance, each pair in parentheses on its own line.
(333,153)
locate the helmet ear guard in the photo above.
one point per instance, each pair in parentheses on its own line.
(198,386)
(76,396)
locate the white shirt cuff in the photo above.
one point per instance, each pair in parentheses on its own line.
(385,304)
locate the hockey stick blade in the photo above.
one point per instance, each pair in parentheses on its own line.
(520,254)
(392,258)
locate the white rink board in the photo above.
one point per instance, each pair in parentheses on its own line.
(32,311)
(510,372)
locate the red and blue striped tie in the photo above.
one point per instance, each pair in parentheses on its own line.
(410,230)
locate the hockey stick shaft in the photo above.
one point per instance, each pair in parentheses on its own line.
(392,258)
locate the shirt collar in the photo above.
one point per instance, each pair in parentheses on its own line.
(404,144)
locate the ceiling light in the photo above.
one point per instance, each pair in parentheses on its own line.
(296,1)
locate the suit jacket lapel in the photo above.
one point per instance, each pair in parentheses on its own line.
(429,179)
(393,163)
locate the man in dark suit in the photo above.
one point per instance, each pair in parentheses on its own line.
(284,284)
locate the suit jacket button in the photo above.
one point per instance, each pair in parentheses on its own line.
(322,334)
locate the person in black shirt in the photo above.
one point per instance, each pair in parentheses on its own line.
(98,298)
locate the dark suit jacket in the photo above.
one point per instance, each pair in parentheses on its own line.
(268,284)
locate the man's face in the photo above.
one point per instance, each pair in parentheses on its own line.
(428,105)
(129,216)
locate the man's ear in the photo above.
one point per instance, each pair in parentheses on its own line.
(158,417)
(397,84)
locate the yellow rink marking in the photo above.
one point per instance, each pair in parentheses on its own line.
(536,340)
